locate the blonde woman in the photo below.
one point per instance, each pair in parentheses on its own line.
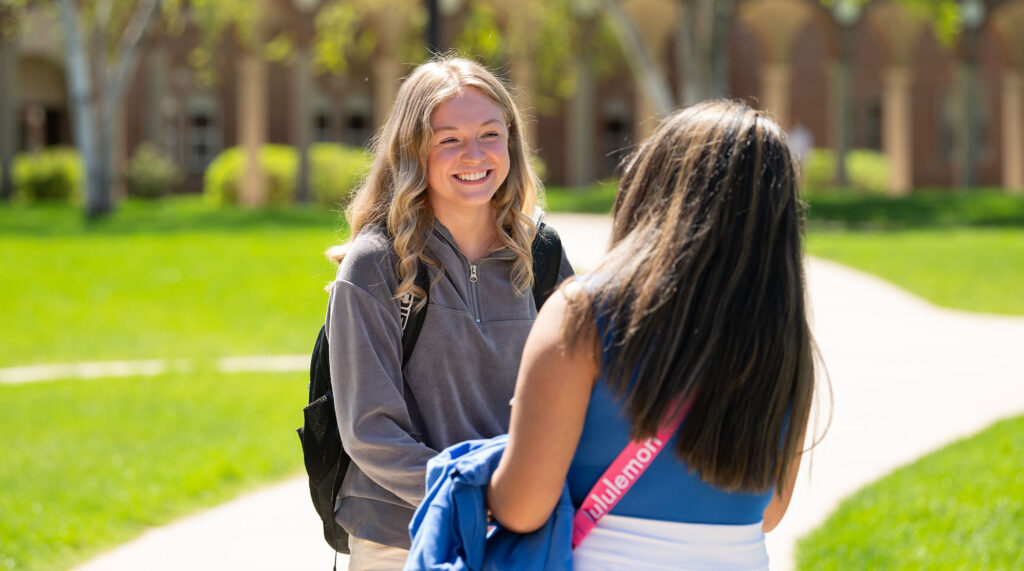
(450,188)
(701,299)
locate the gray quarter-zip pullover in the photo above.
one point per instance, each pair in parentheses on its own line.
(457,383)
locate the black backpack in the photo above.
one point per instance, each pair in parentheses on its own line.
(325,458)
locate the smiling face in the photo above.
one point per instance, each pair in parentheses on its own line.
(468,159)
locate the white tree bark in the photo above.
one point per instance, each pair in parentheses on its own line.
(82,107)
(94,118)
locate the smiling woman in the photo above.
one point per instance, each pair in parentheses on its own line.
(467,163)
(450,193)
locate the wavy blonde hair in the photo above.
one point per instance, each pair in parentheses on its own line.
(394,192)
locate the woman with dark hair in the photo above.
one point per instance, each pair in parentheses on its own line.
(701,300)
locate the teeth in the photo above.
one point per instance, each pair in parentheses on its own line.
(472,176)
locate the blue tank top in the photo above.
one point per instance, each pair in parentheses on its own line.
(667,490)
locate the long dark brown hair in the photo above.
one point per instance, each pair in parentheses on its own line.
(704,294)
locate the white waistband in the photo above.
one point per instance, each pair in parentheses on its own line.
(633,543)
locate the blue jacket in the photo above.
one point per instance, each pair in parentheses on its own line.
(450,528)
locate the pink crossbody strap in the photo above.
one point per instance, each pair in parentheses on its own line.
(621,475)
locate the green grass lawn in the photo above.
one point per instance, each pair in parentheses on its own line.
(158,280)
(89,464)
(959,508)
(976,269)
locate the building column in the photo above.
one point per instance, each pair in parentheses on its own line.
(386,68)
(776,79)
(521,73)
(898,129)
(252,126)
(1013,131)
(387,73)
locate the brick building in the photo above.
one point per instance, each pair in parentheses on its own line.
(905,94)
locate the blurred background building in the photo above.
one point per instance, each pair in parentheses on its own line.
(841,75)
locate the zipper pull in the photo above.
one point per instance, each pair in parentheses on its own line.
(472,273)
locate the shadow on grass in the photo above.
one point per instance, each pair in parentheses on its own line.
(926,208)
(167,216)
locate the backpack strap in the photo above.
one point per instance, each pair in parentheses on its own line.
(412,321)
(547,260)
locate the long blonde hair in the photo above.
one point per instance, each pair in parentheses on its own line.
(394,193)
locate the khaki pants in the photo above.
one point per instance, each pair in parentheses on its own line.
(368,555)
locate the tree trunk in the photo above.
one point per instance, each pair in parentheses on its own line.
(8,116)
(842,105)
(702,49)
(724,11)
(95,142)
(301,80)
(82,107)
(967,144)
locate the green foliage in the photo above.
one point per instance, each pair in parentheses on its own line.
(334,171)
(90,464)
(223,178)
(51,174)
(344,33)
(150,174)
(924,209)
(944,15)
(552,34)
(959,508)
(597,198)
(480,37)
(867,170)
(975,269)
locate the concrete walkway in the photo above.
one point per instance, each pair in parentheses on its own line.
(907,378)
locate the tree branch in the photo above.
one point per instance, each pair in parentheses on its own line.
(640,59)
(128,55)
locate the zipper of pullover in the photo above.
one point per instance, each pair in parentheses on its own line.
(473,293)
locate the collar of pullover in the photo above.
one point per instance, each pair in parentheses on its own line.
(442,233)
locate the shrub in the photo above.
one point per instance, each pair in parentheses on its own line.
(540,168)
(51,174)
(334,170)
(866,170)
(150,174)
(223,177)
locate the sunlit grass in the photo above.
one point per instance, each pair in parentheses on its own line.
(959,508)
(89,464)
(162,282)
(975,269)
